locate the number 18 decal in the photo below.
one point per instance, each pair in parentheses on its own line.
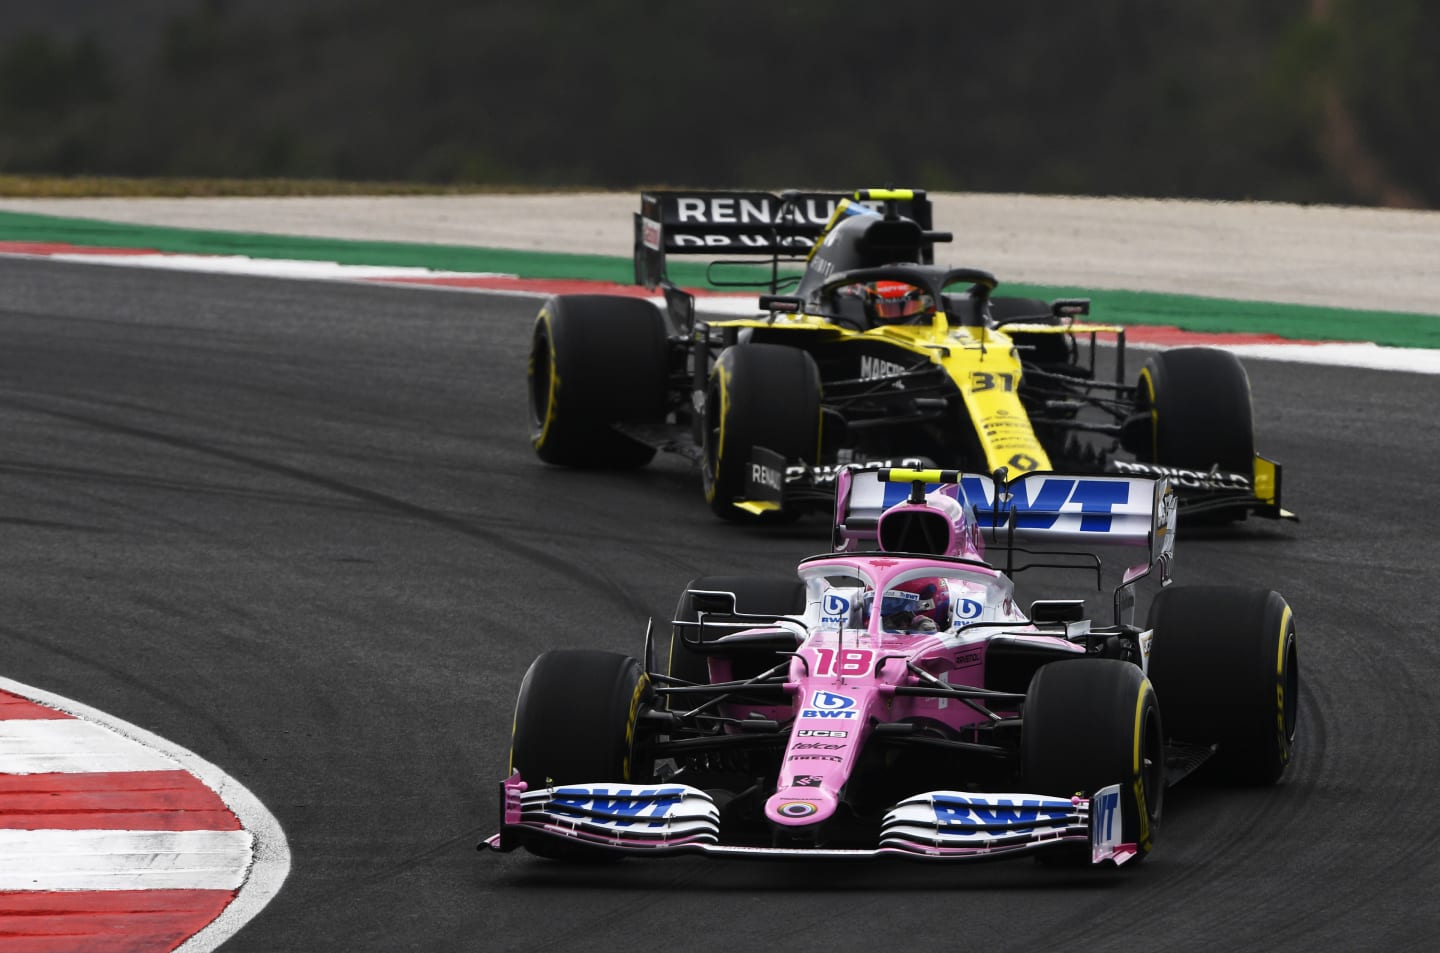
(843,662)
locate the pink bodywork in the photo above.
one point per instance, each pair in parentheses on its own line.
(848,670)
(844,678)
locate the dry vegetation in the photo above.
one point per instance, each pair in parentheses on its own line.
(53,186)
(1303,101)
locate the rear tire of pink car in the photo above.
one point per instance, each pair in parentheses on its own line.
(761,595)
(1226,669)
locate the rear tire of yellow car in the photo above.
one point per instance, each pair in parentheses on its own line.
(596,361)
(764,395)
(1089,723)
(1227,672)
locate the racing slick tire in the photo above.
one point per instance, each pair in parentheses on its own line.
(595,361)
(1193,412)
(1226,670)
(761,595)
(575,721)
(1089,723)
(759,395)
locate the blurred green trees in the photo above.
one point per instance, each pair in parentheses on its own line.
(1291,100)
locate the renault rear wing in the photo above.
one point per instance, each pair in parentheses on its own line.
(750,224)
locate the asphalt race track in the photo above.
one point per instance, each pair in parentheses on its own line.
(297,528)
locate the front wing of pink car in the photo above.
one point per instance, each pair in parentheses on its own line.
(664,819)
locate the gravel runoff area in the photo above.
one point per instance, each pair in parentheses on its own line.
(1373,259)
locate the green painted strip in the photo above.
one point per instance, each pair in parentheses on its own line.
(23,226)
(1189,312)
(1221,315)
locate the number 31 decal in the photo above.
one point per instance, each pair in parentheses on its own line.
(984,380)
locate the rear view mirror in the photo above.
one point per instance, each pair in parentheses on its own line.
(707,601)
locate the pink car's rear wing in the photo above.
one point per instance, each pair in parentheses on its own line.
(1089,509)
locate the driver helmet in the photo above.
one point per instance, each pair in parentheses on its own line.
(917,606)
(894,302)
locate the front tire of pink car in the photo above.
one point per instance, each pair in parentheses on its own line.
(575,722)
(1089,723)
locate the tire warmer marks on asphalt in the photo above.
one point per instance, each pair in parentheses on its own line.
(106,844)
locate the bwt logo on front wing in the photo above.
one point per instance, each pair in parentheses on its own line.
(620,807)
(1014,816)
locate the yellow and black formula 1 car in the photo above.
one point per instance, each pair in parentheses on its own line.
(862,349)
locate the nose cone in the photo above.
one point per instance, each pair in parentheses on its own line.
(800,806)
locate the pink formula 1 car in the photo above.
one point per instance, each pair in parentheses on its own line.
(896,699)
